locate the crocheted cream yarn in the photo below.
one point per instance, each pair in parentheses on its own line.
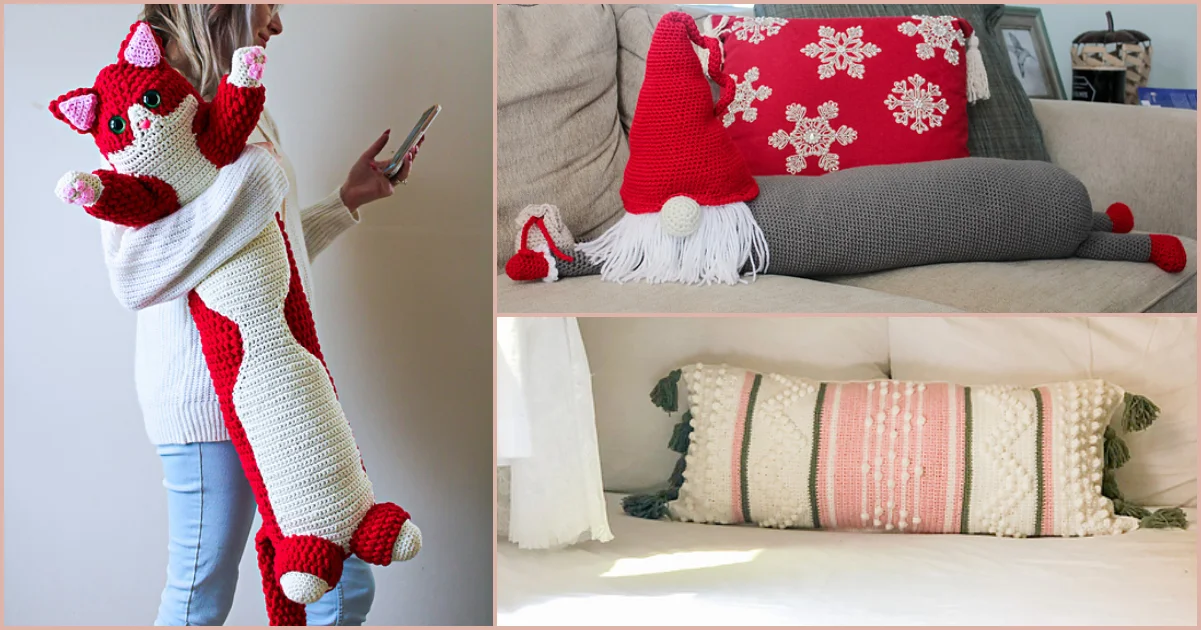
(899,456)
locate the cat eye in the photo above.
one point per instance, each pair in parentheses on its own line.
(116,124)
(152,99)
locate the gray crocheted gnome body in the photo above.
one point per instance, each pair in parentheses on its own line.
(876,218)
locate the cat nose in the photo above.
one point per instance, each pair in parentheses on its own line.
(144,123)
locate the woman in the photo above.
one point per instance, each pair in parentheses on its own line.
(210,505)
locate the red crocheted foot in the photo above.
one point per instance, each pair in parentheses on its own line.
(308,567)
(281,611)
(527,265)
(1167,252)
(385,535)
(1123,220)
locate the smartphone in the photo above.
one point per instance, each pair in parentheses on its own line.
(397,161)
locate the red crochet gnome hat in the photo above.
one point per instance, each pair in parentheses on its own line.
(678,147)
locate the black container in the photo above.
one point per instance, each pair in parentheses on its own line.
(1099,85)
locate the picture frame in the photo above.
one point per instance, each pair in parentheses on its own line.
(1023,34)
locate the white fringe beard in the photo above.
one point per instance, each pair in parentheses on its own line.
(637,249)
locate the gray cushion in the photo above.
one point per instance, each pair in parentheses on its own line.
(768,294)
(559,137)
(1073,285)
(1003,126)
(874,218)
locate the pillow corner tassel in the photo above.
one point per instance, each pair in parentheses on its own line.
(1139,412)
(977,78)
(665,395)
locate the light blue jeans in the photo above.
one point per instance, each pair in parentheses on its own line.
(210,510)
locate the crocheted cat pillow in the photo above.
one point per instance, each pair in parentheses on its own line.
(899,456)
(166,145)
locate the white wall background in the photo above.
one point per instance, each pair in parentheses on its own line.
(1171,27)
(403,304)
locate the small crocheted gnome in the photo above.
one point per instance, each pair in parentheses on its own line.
(686,184)
(166,146)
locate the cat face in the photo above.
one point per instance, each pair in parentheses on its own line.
(137,99)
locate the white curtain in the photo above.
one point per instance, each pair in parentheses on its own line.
(549,479)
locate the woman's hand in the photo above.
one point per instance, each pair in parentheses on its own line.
(366,181)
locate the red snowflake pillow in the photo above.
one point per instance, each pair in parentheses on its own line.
(812,96)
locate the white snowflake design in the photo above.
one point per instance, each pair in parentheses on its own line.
(841,51)
(917,103)
(937,33)
(812,136)
(745,96)
(756,29)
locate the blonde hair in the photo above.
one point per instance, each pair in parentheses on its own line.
(200,39)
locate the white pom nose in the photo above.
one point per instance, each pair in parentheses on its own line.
(680,216)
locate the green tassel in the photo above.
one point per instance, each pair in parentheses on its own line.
(1125,508)
(1139,414)
(681,434)
(1109,486)
(666,393)
(1116,451)
(649,506)
(1167,518)
(676,480)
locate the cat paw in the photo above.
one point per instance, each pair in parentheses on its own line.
(80,189)
(247,68)
(408,542)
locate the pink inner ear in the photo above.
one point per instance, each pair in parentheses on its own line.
(80,111)
(142,50)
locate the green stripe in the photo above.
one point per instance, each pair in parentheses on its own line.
(746,447)
(817,427)
(967,459)
(1038,454)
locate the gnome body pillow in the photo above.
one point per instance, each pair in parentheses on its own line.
(695,215)
(166,146)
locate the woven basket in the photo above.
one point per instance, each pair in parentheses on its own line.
(1127,49)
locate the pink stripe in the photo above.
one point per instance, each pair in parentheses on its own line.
(931,488)
(744,401)
(1048,528)
(846,473)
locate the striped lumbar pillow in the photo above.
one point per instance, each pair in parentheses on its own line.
(898,456)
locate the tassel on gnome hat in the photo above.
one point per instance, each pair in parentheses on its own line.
(686,184)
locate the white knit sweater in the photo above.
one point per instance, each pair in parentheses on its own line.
(152,269)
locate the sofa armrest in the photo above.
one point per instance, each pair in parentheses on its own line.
(1143,156)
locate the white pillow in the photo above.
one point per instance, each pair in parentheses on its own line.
(628,356)
(1153,356)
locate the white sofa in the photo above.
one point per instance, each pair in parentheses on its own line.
(660,572)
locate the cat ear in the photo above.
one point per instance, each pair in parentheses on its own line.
(141,48)
(77,108)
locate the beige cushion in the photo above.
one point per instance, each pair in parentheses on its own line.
(1072,285)
(768,294)
(1152,356)
(1142,156)
(628,355)
(559,137)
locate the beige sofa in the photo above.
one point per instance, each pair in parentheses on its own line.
(568,78)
